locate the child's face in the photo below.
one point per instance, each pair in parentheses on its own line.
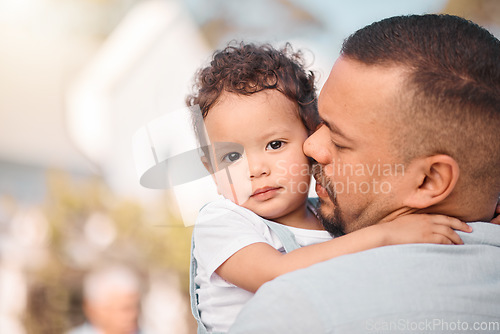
(257,152)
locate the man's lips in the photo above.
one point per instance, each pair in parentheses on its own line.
(321,191)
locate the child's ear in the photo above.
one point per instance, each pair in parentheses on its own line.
(208,165)
(434,178)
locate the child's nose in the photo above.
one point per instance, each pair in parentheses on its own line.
(258,167)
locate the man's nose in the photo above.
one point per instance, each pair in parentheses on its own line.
(258,166)
(316,146)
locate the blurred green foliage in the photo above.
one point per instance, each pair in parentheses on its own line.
(148,240)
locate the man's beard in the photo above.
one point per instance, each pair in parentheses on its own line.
(332,221)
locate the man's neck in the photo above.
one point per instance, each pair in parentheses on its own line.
(474,213)
(399,213)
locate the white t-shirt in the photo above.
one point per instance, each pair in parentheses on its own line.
(222,229)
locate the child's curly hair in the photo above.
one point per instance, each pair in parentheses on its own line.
(247,69)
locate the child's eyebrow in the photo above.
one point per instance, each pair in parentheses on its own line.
(275,132)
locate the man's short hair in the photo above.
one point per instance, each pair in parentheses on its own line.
(450,99)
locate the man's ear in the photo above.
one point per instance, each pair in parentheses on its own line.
(434,178)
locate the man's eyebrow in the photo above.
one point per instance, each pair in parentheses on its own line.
(333,128)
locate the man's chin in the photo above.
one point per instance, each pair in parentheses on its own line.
(329,215)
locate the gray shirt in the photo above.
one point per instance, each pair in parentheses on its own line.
(416,288)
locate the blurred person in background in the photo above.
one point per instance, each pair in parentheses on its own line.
(111,302)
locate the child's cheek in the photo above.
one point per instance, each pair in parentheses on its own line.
(233,182)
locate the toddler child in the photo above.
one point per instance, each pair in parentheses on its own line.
(258,106)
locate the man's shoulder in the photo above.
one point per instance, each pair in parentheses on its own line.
(385,284)
(392,280)
(481,245)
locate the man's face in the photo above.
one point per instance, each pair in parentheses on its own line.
(116,314)
(359,177)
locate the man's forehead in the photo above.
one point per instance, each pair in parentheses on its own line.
(323,94)
(355,82)
(358,99)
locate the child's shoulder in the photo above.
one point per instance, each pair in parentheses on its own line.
(221,204)
(223,217)
(224,208)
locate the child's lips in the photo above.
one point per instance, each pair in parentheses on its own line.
(265,193)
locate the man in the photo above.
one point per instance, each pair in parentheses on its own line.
(411,113)
(112,297)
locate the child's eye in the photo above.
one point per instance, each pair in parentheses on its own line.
(231,157)
(274,145)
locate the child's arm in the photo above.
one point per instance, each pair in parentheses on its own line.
(259,263)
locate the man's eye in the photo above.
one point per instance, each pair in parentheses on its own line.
(274,145)
(231,157)
(338,147)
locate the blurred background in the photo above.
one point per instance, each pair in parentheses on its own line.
(77,79)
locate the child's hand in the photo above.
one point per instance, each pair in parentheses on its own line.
(424,228)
